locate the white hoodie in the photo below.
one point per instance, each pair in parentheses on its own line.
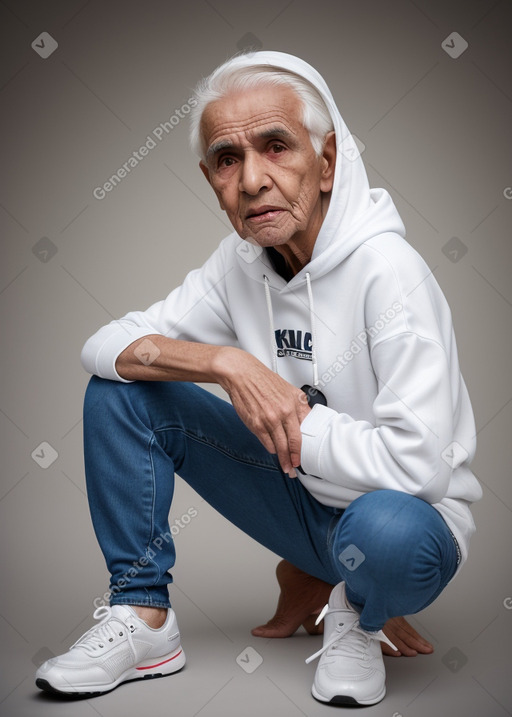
(365,321)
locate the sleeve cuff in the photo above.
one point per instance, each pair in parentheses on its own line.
(313,429)
(99,355)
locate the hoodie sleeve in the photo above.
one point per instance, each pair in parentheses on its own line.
(417,426)
(195,311)
(403,448)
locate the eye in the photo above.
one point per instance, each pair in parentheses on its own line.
(277,148)
(226,161)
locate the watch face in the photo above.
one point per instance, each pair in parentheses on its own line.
(314,395)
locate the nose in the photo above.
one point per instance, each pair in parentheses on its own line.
(254,175)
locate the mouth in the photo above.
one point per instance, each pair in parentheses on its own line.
(262,214)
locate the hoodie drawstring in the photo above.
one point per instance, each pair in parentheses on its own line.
(313,329)
(273,344)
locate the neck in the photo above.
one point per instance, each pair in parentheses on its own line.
(296,258)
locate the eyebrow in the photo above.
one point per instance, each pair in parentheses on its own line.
(214,149)
(265,134)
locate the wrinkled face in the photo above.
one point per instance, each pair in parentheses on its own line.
(262,166)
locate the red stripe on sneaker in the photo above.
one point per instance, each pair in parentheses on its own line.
(150,667)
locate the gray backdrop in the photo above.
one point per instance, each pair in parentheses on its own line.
(432,109)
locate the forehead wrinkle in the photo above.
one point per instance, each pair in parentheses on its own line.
(240,126)
(274,132)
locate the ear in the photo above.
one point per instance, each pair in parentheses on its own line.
(328,162)
(204,169)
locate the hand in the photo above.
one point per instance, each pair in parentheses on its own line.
(269,406)
(405,637)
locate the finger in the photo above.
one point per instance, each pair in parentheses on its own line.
(280,441)
(270,447)
(294,439)
(268,443)
(277,444)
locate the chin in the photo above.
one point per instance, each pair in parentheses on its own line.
(265,239)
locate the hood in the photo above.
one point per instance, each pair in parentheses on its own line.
(356,213)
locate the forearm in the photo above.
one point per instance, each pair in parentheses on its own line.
(158,358)
(268,405)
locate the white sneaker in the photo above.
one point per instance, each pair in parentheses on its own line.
(351,669)
(121,648)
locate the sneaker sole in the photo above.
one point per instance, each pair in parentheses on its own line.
(346,699)
(169,665)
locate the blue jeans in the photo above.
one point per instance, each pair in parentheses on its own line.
(394,551)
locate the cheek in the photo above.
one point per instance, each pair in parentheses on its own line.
(306,197)
(226,195)
(301,188)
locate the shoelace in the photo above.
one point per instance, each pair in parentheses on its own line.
(100,635)
(348,621)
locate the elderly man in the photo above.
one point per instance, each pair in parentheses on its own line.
(346,445)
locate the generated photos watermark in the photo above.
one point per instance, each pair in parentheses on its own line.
(160,132)
(138,565)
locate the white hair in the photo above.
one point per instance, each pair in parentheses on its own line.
(226,79)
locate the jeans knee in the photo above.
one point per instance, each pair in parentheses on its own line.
(389,530)
(393,549)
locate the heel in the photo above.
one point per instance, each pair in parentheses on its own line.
(310,625)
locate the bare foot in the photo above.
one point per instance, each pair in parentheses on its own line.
(303,597)
(404,636)
(300,602)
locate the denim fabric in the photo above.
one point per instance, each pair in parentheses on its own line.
(394,551)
